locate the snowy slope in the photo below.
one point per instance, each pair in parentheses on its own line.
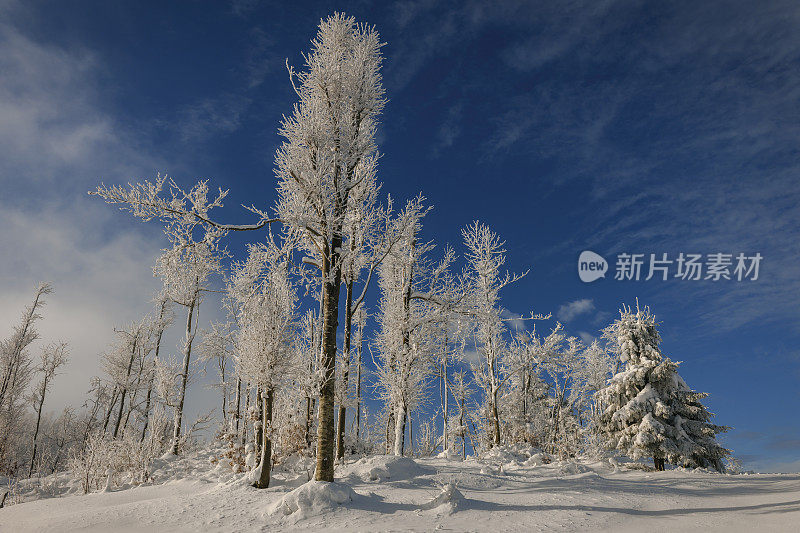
(506,492)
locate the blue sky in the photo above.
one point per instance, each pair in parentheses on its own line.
(635,127)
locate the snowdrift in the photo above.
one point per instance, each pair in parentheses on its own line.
(312,499)
(384,468)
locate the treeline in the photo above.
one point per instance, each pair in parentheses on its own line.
(298,357)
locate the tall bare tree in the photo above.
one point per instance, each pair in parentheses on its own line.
(52,357)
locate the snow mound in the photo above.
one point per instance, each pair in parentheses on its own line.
(312,499)
(385,468)
(449,454)
(537,459)
(449,500)
(513,455)
(571,468)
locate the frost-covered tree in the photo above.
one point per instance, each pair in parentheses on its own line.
(460,388)
(648,408)
(265,304)
(526,406)
(416,304)
(15,375)
(597,366)
(185,269)
(404,359)
(561,365)
(328,153)
(164,320)
(484,279)
(52,357)
(329,149)
(361,323)
(217,347)
(123,365)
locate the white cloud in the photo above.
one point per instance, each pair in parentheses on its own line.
(586,337)
(56,142)
(570,310)
(54,132)
(99,283)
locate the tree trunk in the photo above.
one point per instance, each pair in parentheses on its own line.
(332,279)
(358,393)
(389,441)
(237,414)
(463,430)
(131,406)
(400,430)
(445,435)
(493,391)
(258,427)
(224,392)
(410,433)
(38,422)
(266,448)
(147,410)
(125,388)
(348,320)
(496,418)
(184,378)
(309,420)
(246,413)
(155,358)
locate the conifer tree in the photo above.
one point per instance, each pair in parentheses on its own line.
(648,408)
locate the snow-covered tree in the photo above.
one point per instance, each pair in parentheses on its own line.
(526,401)
(185,269)
(53,356)
(217,347)
(265,304)
(484,279)
(404,359)
(597,366)
(561,365)
(124,365)
(648,408)
(328,152)
(460,388)
(15,375)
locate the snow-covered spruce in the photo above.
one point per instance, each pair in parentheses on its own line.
(648,408)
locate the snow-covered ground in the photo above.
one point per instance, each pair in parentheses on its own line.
(504,492)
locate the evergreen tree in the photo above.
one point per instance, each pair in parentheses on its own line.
(647,408)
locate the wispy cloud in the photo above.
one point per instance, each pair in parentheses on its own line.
(720,172)
(450,129)
(99,282)
(57,140)
(586,337)
(52,120)
(569,311)
(209,117)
